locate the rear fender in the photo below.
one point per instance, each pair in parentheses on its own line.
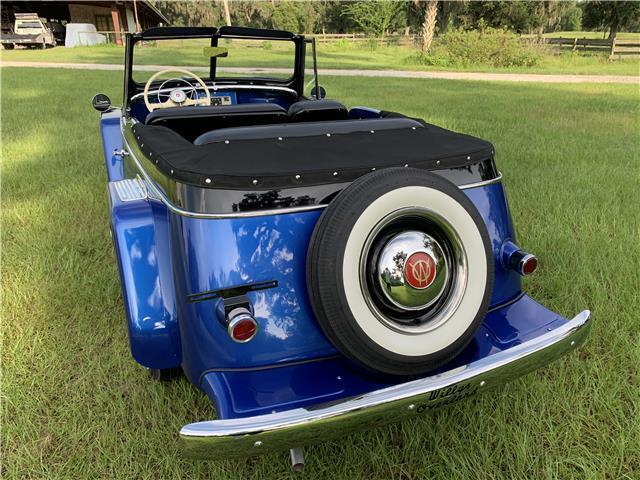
(140,232)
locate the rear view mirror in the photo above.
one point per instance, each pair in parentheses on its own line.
(101,102)
(318,93)
(215,52)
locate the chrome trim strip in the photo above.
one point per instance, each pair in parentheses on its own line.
(498,179)
(158,194)
(241,437)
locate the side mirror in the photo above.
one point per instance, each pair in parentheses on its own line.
(318,93)
(101,102)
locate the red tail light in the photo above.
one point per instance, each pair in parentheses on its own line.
(529,264)
(242,328)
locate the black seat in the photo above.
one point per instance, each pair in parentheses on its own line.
(307,129)
(317,111)
(192,121)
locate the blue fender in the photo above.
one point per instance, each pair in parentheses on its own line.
(112,141)
(141,239)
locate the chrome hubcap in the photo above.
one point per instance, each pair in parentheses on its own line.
(412,270)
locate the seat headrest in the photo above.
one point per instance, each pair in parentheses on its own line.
(317,110)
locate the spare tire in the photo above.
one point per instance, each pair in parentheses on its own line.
(400,271)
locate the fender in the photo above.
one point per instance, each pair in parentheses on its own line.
(140,231)
(112,141)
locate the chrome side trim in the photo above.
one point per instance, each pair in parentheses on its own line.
(498,179)
(157,193)
(130,189)
(241,437)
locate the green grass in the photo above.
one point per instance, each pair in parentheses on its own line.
(75,405)
(343,55)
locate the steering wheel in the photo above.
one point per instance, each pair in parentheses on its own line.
(177,98)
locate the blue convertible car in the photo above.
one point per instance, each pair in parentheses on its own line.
(313,268)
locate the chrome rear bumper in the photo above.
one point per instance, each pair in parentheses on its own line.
(242,437)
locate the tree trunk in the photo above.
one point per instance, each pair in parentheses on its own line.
(227,15)
(615,26)
(615,22)
(429,25)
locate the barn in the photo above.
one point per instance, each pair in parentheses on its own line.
(112,18)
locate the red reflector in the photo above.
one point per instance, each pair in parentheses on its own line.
(244,330)
(530,265)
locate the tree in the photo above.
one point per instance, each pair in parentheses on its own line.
(429,24)
(613,16)
(198,13)
(373,17)
(227,15)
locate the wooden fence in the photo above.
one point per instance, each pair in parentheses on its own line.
(616,48)
(361,37)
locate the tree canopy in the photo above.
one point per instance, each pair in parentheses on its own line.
(378,17)
(611,16)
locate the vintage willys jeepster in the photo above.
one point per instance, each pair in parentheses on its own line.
(312,268)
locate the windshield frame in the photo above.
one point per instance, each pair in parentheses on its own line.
(295,82)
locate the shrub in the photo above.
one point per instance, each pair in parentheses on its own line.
(340,45)
(371,43)
(497,48)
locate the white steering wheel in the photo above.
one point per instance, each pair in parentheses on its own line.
(177,98)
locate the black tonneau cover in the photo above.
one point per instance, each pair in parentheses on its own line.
(314,160)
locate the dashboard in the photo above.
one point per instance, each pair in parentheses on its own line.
(220,96)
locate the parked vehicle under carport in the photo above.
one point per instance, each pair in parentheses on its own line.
(28,31)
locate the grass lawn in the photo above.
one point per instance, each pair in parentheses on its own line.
(75,404)
(332,55)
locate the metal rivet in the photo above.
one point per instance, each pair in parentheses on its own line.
(486,334)
(257,444)
(328,134)
(279,138)
(468,157)
(413,128)
(437,162)
(142,145)
(207,180)
(411,407)
(406,165)
(373,131)
(172,171)
(339,377)
(151,154)
(483,383)
(573,342)
(255,182)
(335,174)
(373,169)
(549,329)
(226,142)
(297,177)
